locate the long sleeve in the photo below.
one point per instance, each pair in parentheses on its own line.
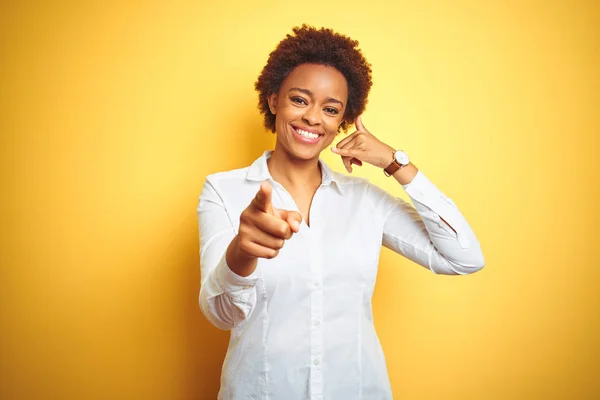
(226,299)
(420,234)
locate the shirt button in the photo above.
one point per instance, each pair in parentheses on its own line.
(316,285)
(316,361)
(318,322)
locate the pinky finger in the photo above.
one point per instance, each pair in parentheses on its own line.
(257,250)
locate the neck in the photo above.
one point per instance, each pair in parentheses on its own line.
(293,173)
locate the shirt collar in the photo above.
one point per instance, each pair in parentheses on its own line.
(259,171)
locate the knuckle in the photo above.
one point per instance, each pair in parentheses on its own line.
(245,216)
(244,246)
(246,233)
(283,230)
(246,225)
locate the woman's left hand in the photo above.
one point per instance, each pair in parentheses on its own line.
(361,146)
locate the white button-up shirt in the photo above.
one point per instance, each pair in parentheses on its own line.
(301,324)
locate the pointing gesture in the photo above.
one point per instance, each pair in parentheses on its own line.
(361,146)
(263,228)
(262,200)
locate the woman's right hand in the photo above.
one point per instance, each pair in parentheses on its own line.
(262,233)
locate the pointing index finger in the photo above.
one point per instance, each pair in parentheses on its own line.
(262,200)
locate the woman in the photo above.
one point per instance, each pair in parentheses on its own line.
(289,248)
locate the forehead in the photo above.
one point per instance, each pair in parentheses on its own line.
(322,80)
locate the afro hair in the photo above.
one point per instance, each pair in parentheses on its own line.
(322,46)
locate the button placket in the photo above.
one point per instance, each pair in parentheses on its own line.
(316,318)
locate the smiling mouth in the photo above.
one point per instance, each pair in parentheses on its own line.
(309,136)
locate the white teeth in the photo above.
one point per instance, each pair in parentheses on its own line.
(306,134)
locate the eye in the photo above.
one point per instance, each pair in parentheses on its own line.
(298,100)
(331,110)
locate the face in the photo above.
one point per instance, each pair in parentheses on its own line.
(309,109)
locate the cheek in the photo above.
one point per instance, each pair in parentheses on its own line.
(334,127)
(288,113)
(333,130)
(330,138)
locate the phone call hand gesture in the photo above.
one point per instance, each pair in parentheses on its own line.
(362,146)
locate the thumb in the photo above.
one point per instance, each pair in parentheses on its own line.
(359,125)
(293,218)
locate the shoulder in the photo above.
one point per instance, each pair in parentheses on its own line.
(350,181)
(224,176)
(224,183)
(353,185)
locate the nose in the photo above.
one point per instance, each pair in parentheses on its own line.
(311,115)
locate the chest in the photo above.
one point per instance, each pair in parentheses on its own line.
(339,247)
(303,202)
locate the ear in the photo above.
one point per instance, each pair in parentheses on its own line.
(341,125)
(272,99)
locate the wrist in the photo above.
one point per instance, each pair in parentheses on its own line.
(399,161)
(238,261)
(406,174)
(387,156)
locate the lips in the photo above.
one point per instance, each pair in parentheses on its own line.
(306,136)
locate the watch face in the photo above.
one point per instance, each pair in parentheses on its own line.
(401,157)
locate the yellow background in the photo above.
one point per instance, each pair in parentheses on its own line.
(112,113)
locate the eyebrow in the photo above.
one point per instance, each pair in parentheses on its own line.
(309,93)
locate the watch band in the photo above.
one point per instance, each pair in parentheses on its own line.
(393,167)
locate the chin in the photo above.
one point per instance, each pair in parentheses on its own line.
(305,154)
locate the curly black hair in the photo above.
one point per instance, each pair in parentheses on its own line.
(316,46)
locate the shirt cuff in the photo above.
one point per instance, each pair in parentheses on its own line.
(418,186)
(231,282)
